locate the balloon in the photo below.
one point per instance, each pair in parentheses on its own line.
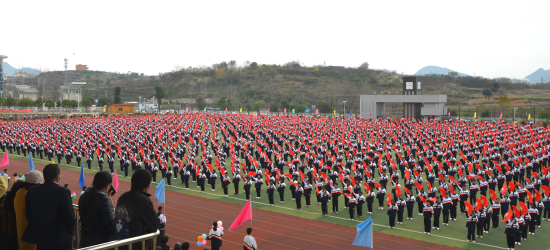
(199,243)
(201,238)
(220,223)
(204,242)
(204,236)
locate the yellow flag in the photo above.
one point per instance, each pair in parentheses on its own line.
(53,162)
(241,110)
(103,109)
(475,115)
(335,112)
(529,117)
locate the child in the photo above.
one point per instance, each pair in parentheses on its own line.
(298,196)
(381,194)
(428,213)
(400,209)
(351,206)
(360,201)
(281,190)
(471,225)
(370,200)
(162,225)
(225,184)
(270,191)
(392,212)
(410,206)
(436,212)
(447,204)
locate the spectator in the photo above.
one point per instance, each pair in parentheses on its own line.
(67,187)
(32,179)
(177,246)
(185,246)
(135,214)
(2,241)
(9,224)
(163,243)
(50,213)
(96,211)
(249,241)
(83,189)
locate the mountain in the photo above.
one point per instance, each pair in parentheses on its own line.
(535,76)
(428,70)
(9,70)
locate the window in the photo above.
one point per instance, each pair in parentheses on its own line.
(119,109)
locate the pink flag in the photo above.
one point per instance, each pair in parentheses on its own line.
(285,110)
(226,109)
(5,160)
(186,109)
(371,114)
(500,116)
(449,114)
(245,215)
(317,111)
(267,110)
(115,182)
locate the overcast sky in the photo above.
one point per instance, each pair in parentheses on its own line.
(488,38)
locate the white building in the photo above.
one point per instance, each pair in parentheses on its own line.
(73,91)
(25,91)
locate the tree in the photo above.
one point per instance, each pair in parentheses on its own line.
(199,101)
(273,108)
(284,104)
(495,87)
(49,103)
(103,101)
(10,101)
(67,103)
(324,107)
(258,105)
(117,96)
(159,94)
(38,102)
(74,103)
(86,103)
(504,101)
(253,65)
(224,102)
(486,113)
(544,114)
(170,92)
(487,93)
(364,66)
(26,102)
(248,107)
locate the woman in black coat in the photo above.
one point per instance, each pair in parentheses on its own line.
(96,211)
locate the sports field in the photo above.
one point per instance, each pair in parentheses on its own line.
(193,216)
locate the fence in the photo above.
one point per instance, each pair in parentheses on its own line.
(509,113)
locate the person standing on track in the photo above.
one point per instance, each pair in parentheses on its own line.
(249,242)
(215,236)
(162,225)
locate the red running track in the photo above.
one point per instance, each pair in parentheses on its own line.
(190,216)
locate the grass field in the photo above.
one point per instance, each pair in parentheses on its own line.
(452,235)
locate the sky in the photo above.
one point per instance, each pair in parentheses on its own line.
(485,38)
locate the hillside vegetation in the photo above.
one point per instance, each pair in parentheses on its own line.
(293,85)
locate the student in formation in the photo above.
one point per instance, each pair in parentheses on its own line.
(335,194)
(447,203)
(400,209)
(511,229)
(427,212)
(352,202)
(454,206)
(534,213)
(437,207)
(201,179)
(471,222)
(381,195)
(325,196)
(270,191)
(307,193)
(392,213)
(225,184)
(370,200)
(495,215)
(410,205)
(246,187)
(185,174)
(236,180)
(212,180)
(488,217)
(281,189)
(298,196)
(480,214)
(360,201)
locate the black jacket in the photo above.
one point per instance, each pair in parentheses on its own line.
(97,217)
(50,215)
(143,218)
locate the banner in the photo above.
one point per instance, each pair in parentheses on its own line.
(16,111)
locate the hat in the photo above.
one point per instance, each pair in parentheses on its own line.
(3,185)
(35,177)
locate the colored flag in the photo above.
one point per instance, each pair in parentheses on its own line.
(204,109)
(449,114)
(475,115)
(31,164)
(79,110)
(293,111)
(350,112)
(317,111)
(160,191)
(241,110)
(246,214)
(267,110)
(307,111)
(186,109)
(335,112)
(5,160)
(103,110)
(529,118)
(225,109)
(364,234)
(115,181)
(500,116)
(284,111)
(81,180)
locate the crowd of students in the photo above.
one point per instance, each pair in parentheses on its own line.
(479,170)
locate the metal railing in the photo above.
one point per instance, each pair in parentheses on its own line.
(127,242)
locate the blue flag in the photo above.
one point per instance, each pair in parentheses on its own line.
(307,111)
(350,112)
(364,234)
(81,180)
(31,164)
(160,191)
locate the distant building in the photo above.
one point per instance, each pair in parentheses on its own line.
(81,67)
(120,109)
(147,106)
(73,91)
(22,74)
(25,91)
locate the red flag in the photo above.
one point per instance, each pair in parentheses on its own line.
(397,191)
(5,160)
(407,190)
(516,210)
(443,192)
(493,194)
(469,208)
(485,201)
(523,208)
(377,185)
(503,189)
(418,185)
(537,195)
(388,201)
(508,215)
(246,214)
(529,196)
(544,187)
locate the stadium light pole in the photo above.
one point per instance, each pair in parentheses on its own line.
(344,107)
